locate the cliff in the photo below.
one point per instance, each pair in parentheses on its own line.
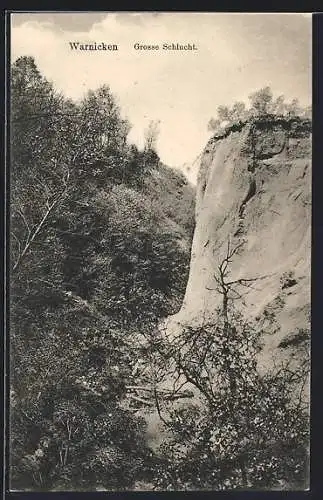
(254,193)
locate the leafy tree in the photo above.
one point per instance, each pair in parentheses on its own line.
(260,101)
(238,112)
(101,126)
(223,113)
(294,108)
(227,116)
(279,105)
(213,124)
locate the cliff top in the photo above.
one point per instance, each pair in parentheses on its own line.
(298,123)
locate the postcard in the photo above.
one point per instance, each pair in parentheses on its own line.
(160,251)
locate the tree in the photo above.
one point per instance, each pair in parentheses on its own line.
(246,430)
(213,125)
(151,135)
(293,108)
(279,106)
(260,101)
(223,113)
(101,123)
(41,156)
(238,112)
(68,429)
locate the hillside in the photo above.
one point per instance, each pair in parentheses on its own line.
(99,252)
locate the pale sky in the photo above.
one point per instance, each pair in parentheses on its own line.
(237,54)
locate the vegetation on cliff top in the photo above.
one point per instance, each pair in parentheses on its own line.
(262,107)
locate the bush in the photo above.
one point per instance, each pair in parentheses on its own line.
(245,429)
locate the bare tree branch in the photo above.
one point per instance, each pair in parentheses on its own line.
(32,235)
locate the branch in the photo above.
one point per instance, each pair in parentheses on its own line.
(139,388)
(158,408)
(195,383)
(30,116)
(140,400)
(22,215)
(235,250)
(19,245)
(31,238)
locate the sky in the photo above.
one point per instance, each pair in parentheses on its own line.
(236,55)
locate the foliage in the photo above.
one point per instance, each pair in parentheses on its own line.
(245,429)
(100,247)
(67,405)
(262,103)
(131,260)
(173,197)
(93,265)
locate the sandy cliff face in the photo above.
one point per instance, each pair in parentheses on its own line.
(254,191)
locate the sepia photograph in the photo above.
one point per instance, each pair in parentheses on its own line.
(160,251)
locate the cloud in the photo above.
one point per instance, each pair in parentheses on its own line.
(236,55)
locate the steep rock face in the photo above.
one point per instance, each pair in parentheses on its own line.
(254,191)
